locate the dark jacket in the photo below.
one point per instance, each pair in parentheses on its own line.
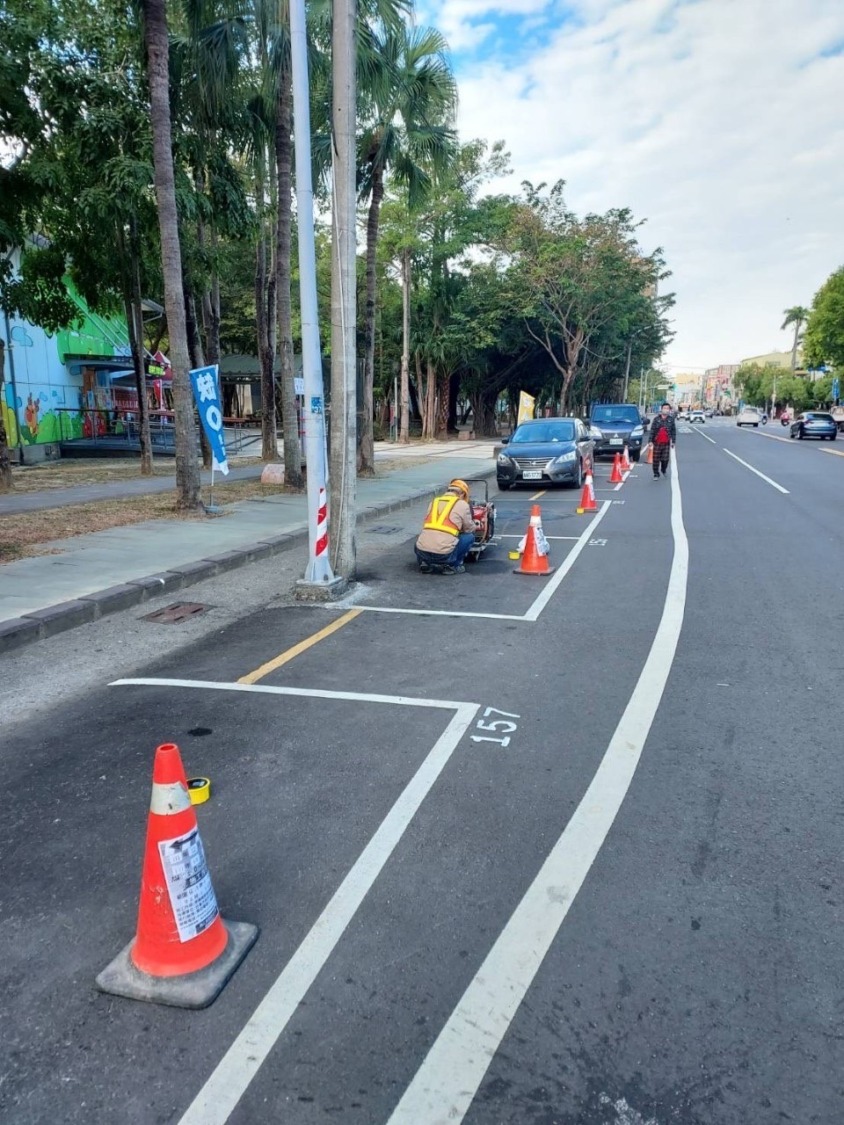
(668,423)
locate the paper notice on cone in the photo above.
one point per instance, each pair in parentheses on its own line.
(192,897)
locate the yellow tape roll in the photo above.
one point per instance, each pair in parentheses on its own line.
(199,789)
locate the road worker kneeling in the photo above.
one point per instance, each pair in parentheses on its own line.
(447,533)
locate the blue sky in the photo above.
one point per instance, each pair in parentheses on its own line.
(719,121)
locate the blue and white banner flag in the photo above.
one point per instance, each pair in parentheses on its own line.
(206,392)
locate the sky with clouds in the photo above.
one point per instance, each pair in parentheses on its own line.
(720,121)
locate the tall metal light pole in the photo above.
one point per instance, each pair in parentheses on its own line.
(319,582)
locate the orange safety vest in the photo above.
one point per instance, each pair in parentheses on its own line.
(437,518)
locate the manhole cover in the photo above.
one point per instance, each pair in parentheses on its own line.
(383,529)
(173,614)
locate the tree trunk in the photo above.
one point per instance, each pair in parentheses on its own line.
(483,411)
(135,320)
(404,394)
(5,463)
(441,428)
(197,359)
(158,46)
(366,437)
(284,169)
(343,463)
(797,324)
(266,356)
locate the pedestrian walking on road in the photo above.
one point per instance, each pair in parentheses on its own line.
(447,533)
(663,438)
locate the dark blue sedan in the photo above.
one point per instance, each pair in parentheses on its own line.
(814,423)
(546,451)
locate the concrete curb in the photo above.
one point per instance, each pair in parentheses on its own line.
(44,623)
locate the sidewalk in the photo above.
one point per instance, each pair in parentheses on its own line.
(14,504)
(92,575)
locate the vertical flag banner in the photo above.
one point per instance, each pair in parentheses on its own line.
(526,406)
(205,391)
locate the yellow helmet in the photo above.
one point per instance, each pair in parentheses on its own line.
(460,486)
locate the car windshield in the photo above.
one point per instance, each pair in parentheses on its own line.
(610,415)
(544,431)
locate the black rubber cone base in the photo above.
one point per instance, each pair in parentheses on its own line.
(193,990)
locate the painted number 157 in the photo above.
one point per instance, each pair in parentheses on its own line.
(502,726)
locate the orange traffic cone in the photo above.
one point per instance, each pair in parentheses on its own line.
(535,554)
(615,475)
(587,496)
(183,952)
(650,457)
(625,461)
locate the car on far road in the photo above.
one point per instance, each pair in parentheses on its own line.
(709,413)
(546,451)
(814,424)
(697,416)
(749,416)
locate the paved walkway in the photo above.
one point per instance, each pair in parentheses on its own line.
(90,575)
(144,486)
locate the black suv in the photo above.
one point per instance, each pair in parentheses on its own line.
(620,424)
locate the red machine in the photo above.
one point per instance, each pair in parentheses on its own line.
(483,512)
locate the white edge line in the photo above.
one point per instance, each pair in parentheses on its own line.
(767,480)
(312,693)
(703,435)
(448,1079)
(565,566)
(231,1077)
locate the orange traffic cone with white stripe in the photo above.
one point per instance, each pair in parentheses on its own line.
(183,952)
(649,460)
(625,461)
(615,475)
(535,554)
(587,496)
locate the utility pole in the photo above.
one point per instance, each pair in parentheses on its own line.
(319,583)
(627,369)
(343,294)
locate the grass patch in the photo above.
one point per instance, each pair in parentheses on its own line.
(69,472)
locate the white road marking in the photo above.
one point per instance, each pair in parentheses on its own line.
(772,437)
(307,693)
(448,1079)
(538,605)
(767,480)
(230,1079)
(551,536)
(834,452)
(565,566)
(703,435)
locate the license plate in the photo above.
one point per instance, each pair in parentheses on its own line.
(532,474)
(616,441)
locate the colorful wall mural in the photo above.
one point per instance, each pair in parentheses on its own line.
(51,381)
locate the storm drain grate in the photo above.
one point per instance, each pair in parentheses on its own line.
(173,614)
(384,529)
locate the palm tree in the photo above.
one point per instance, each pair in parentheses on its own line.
(796,316)
(409,109)
(158,76)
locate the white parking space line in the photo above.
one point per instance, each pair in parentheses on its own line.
(307,693)
(762,476)
(230,1079)
(448,1079)
(538,605)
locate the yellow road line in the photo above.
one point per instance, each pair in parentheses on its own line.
(542,493)
(298,649)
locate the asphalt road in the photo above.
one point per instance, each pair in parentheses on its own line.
(545,850)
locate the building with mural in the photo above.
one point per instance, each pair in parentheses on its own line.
(76,384)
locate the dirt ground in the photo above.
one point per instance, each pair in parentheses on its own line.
(23,535)
(72,471)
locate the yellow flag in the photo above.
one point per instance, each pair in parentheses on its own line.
(526,405)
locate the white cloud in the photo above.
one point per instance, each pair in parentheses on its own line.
(718,120)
